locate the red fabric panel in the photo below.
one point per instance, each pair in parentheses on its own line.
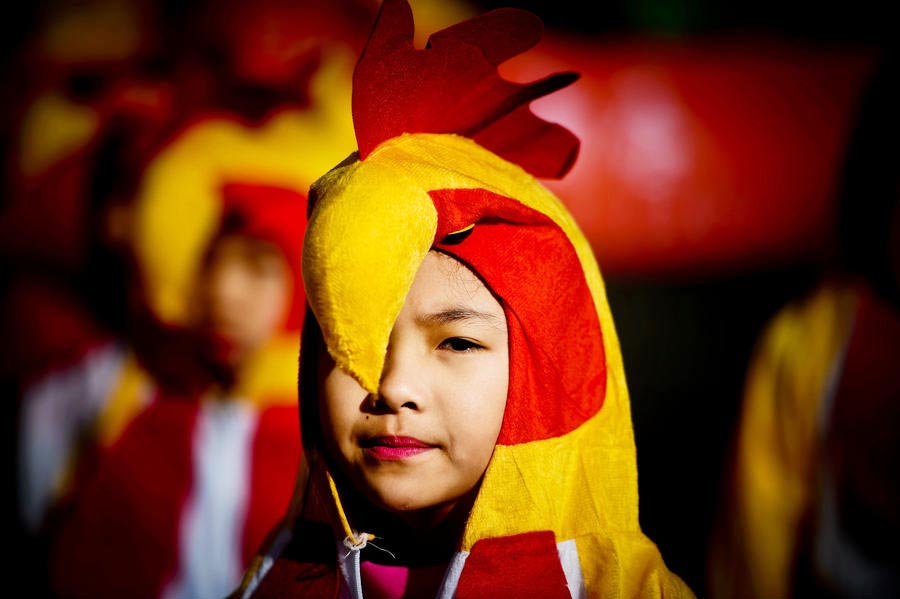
(453,86)
(557,363)
(525,565)
(276,455)
(122,537)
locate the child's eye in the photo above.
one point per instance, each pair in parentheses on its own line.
(458,344)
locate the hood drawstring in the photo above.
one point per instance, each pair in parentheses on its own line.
(354,541)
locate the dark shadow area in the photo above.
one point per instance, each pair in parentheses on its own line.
(868,20)
(685,346)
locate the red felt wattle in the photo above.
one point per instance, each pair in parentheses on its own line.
(452,86)
(557,362)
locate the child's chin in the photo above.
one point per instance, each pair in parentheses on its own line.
(400,501)
(413,506)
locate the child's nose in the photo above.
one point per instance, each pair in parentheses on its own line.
(402,382)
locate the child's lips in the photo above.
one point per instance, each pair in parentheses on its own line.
(394,448)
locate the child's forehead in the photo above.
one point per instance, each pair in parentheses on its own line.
(446,290)
(243,239)
(440,267)
(235,245)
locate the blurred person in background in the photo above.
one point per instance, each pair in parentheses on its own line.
(148,368)
(114,195)
(812,501)
(101,89)
(103,86)
(172,488)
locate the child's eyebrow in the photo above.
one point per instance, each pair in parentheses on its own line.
(456,314)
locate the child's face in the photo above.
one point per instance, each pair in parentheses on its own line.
(246,290)
(426,440)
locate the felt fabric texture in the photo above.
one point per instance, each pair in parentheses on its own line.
(565,460)
(490,561)
(452,86)
(342,248)
(347,242)
(557,509)
(518,250)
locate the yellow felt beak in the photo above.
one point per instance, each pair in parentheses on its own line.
(368,234)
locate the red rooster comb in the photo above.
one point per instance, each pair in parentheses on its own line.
(452,86)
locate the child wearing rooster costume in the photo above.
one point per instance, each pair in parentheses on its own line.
(464,410)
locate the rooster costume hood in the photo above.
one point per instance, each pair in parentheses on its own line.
(449,156)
